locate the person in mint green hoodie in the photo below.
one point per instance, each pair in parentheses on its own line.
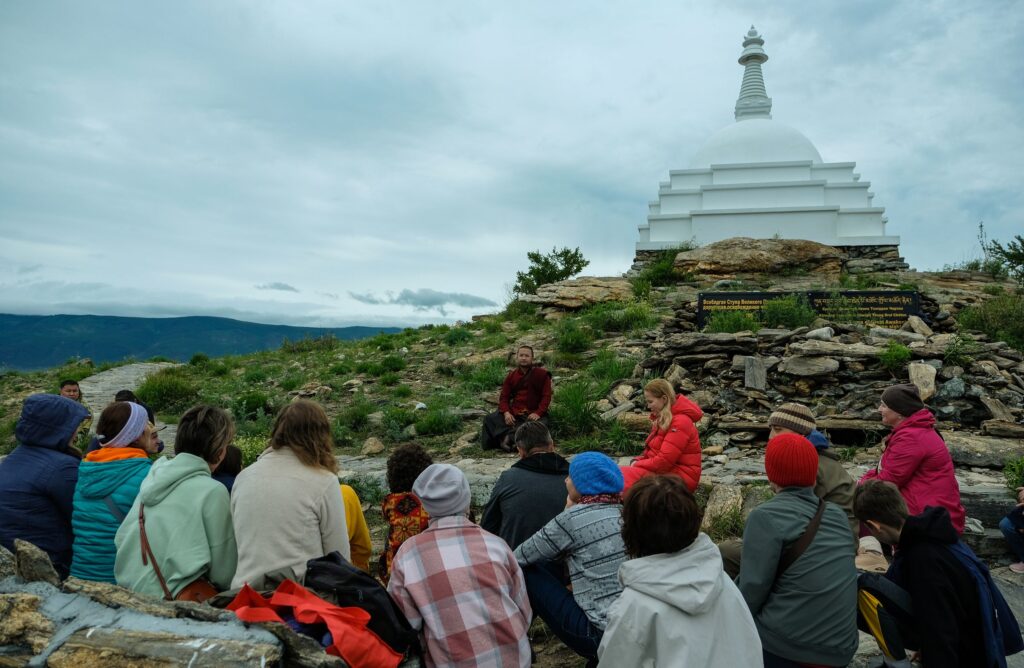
(108,481)
(187,513)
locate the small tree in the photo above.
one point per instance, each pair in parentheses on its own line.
(558,265)
(1011,256)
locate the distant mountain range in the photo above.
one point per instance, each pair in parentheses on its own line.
(29,342)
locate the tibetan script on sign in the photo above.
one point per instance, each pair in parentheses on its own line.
(884,308)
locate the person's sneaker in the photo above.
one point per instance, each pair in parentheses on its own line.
(1017,567)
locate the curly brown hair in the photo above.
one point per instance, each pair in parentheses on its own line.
(659,516)
(404,466)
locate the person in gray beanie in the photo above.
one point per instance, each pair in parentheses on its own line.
(458,585)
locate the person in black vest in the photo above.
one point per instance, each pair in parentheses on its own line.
(532,492)
(525,396)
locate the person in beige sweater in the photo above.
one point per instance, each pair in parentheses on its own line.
(287,506)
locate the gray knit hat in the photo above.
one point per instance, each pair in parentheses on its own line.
(795,417)
(443,490)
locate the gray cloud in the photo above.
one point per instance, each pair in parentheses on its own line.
(426,299)
(360,149)
(277,285)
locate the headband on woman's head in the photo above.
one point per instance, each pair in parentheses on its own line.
(132,430)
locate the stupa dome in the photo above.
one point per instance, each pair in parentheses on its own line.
(755,140)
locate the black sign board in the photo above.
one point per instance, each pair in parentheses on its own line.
(883,308)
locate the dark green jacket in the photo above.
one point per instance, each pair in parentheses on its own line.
(810,614)
(836,485)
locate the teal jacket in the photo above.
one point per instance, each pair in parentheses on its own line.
(93,521)
(188,524)
(808,615)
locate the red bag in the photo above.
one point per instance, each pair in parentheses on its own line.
(352,640)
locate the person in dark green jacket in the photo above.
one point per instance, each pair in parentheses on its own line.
(188,513)
(108,482)
(806,614)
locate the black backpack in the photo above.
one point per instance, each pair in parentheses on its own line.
(340,583)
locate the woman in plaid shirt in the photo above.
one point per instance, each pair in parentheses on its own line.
(459,585)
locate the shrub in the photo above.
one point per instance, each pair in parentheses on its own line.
(791,311)
(199,359)
(401,392)
(249,405)
(491,326)
(436,421)
(218,369)
(730,322)
(570,337)
(895,357)
(457,336)
(291,382)
(573,412)
(619,317)
(558,265)
(168,390)
(661,270)
(517,309)
(388,379)
(254,374)
(251,446)
(1010,256)
(641,288)
(356,416)
(369,489)
(310,344)
(485,376)
(608,368)
(370,368)
(959,351)
(340,368)
(1001,318)
(994,289)
(382,342)
(396,419)
(392,363)
(1014,473)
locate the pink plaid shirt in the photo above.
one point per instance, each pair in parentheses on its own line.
(462,588)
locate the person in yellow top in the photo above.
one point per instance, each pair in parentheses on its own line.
(358,532)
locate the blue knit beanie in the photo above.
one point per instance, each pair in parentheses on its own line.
(595,473)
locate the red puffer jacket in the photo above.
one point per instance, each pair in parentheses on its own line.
(917,461)
(675,450)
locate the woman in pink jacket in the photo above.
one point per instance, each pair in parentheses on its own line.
(916,459)
(673,445)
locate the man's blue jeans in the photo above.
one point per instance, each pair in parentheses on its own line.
(553,603)
(1009,526)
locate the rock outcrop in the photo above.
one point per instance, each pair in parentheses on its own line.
(577,293)
(744,256)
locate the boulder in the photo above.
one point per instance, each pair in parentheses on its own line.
(896,334)
(741,255)
(985,451)
(97,646)
(801,365)
(755,373)
(580,292)
(916,324)
(8,566)
(997,408)
(835,349)
(618,410)
(675,375)
(954,388)
(923,376)
(621,394)
(1002,429)
(820,334)
(22,625)
(33,565)
(634,421)
(724,500)
(372,446)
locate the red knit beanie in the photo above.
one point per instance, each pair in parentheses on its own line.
(791,461)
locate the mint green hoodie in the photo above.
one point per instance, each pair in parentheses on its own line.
(188,523)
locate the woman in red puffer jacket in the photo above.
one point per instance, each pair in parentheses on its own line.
(673,445)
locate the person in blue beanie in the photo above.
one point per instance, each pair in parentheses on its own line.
(586,537)
(37,480)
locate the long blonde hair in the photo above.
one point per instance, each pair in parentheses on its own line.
(662,389)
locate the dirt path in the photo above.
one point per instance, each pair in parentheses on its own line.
(99,390)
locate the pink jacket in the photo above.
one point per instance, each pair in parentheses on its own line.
(917,461)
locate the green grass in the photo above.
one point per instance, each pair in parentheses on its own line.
(730,322)
(895,358)
(486,376)
(619,317)
(356,416)
(725,526)
(573,411)
(168,390)
(1001,318)
(437,421)
(570,337)
(369,489)
(791,311)
(607,368)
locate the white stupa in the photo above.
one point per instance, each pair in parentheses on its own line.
(759,178)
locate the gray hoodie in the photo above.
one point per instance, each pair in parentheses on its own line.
(679,609)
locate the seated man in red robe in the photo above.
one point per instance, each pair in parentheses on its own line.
(525,395)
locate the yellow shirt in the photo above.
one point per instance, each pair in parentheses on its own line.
(358,532)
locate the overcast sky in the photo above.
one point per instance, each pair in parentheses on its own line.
(334,163)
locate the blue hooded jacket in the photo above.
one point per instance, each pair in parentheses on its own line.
(101,484)
(37,480)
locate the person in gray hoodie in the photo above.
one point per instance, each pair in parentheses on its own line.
(678,607)
(805,608)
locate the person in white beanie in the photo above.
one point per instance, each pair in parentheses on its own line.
(458,585)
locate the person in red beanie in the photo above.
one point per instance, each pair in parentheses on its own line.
(797,573)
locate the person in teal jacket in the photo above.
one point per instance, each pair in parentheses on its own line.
(108,482)
(188,513)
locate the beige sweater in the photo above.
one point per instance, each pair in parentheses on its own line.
(285,513)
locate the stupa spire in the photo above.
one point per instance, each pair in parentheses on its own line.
(753,101)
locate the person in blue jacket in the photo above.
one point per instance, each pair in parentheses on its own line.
(108,482)
(37,480)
